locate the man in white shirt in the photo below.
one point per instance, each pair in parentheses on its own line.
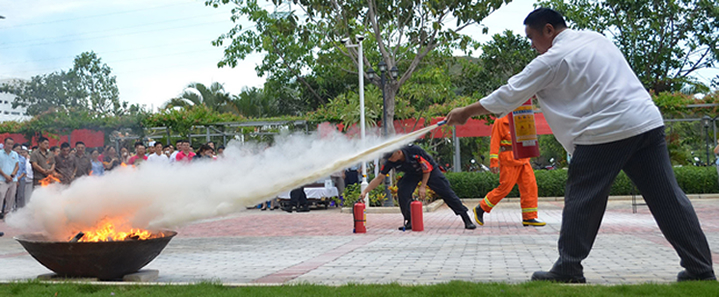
(173,156)
(603,116)
(8,179)
(28,178)
(158,155)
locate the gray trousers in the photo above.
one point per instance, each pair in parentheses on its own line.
(20,195)
(7,192)
(645,160)
(339,183)
(28,191)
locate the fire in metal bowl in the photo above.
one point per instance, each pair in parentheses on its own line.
(105,260)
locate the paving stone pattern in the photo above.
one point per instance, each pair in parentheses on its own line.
(269,247)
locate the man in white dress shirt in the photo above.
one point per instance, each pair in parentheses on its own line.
(158,154)
(603,116)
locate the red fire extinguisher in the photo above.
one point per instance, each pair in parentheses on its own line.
(360,217)
(524,132)
(415,210)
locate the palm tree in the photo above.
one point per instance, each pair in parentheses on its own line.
(213,97)
(254,103)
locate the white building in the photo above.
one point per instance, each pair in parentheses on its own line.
(7,113)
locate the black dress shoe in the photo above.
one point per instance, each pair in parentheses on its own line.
(559,278)
(479,215)
(684,276)
(407,226)
(305,208)
(1,234)
(467,222)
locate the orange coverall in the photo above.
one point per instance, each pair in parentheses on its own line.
(511,172)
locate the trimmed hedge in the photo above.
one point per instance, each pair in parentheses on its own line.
(551,183)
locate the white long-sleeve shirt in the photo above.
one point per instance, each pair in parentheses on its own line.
(587,91)
(161,158)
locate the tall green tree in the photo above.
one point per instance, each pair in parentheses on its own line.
(96,82)
(214,97)
(88,86)
(664,41)
(399,33)
(503,56)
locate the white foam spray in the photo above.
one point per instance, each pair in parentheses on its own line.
(155,196)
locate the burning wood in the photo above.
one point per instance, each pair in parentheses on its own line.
(77,237)
(107,231)
(49,180)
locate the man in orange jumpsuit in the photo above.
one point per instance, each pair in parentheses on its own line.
(511,172)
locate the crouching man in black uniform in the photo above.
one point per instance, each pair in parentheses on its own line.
(418,166)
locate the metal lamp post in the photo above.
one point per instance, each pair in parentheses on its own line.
(394,73)
(706,119)
(360,64)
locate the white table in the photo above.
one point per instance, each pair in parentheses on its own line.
(314,193)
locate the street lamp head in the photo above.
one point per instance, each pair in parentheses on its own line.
(371,73)
(359,38)
(345,41)
(394,72)
(382,66)
(706,120)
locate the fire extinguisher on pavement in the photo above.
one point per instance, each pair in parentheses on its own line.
(524,132)
(360,218)
(415,210)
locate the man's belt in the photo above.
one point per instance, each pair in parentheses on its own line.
(505,148)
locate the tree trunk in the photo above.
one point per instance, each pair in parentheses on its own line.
(391,89)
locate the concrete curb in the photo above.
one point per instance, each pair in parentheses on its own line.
(472,201)
(639,198)
(395,209)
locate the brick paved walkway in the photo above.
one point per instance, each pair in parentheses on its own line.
(318,247)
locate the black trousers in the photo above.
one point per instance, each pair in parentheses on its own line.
(437,182)
(645,160)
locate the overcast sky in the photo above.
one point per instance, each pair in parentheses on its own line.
(155,48)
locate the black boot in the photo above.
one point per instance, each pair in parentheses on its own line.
(304,208)
(479,215)
(407,226)
(558,278)
(467,221)
(686,276)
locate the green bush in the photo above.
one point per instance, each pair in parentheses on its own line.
(352,195)
(551,183)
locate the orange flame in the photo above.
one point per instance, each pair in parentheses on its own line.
(90,173)
(49,180)
(123,164)
(106,231)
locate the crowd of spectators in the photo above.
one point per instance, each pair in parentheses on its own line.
(22,169)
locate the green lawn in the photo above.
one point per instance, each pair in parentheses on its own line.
(35,288)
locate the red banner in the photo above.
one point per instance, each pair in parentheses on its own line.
(89,137)
(473,128)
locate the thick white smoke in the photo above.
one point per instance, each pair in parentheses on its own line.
(154,196)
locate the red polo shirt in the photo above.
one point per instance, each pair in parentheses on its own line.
(181,156)
(135,157)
